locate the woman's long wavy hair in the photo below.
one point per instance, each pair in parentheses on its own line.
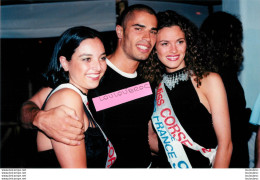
(68,42)
(225,31)
(197,59)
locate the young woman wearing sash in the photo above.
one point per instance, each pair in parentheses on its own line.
(77,65)
(191,114)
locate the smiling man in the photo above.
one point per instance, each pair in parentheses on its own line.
(126,125)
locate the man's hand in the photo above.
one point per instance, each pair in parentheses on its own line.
(66,128)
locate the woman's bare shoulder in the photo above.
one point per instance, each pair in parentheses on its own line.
(66,97)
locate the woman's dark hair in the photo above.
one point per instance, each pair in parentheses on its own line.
(197,59)
(225,32)
(68,42)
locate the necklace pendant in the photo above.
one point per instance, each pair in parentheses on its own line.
(171,80)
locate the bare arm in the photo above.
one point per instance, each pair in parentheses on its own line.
(28,112)
(31,107)
(217,100)
(66,129)
(68,156)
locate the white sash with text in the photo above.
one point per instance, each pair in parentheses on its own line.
(172,134)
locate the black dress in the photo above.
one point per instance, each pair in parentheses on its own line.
(194,118)
(239,119)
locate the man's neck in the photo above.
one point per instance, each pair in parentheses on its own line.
(122,62)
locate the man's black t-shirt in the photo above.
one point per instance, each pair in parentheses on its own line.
(126,125)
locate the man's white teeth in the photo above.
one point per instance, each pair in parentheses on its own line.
(93,75)
(142,47)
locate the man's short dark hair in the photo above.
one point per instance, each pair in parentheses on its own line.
(122,19)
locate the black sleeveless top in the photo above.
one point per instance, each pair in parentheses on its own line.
(194,118)
(95,143)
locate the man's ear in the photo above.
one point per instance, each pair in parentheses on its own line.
(64,63)
(119,31)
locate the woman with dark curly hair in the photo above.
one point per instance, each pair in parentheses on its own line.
(225,32)
(191,104)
